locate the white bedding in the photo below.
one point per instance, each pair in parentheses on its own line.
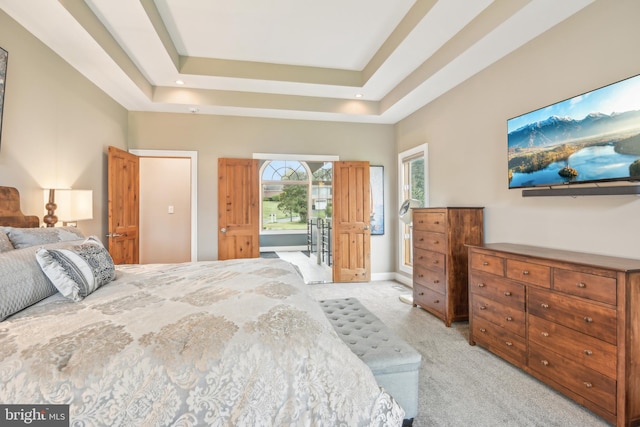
(224,343)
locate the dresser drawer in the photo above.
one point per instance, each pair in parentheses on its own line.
(592,385)
(428,259)
(504,316)
(498,289)
(591,286)
(575,313)
(582,349)
(530,273)
(428,299)
(432,279)
(429,221)
(487,263)
(430,240)
(500,341)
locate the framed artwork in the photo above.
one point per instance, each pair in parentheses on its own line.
(376,177)
(4,55)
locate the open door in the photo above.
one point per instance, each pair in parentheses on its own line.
(124,206)
(238,209)
(351,222)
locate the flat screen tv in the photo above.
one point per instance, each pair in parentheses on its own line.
(590,138)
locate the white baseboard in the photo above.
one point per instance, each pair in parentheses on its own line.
(407,281)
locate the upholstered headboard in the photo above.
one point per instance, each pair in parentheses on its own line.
(10,214)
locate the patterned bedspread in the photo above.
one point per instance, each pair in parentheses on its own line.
(223,343)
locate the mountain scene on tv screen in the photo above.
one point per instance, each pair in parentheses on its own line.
(563,150)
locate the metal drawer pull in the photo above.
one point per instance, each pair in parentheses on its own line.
(588,384)
(481,285)
(435,242)
(421,293)
(483,307)
(509,343)
(508,318)
(544,334)
(436,301)
(545,362)
(436,222)
(483,330)
(507,294)
(581,285)
(420,275)
(436,281)
(588,352)
(485,263)
(436,262)
(588,319)
(525,272)
(543,305)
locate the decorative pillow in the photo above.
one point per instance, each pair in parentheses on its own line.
(22,282)
(78,270)
(5,243)
(25,237)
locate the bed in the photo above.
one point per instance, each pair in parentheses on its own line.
(221,343)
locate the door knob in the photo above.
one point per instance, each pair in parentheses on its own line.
(223,230)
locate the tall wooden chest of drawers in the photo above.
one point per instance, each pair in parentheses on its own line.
(570,319)
(440,270)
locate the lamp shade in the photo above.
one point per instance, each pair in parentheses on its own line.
(73,205)
(405,212)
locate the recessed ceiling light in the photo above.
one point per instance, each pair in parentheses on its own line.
(358,95)
(179,82)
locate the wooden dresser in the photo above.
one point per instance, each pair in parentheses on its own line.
(570,319)
(440,269)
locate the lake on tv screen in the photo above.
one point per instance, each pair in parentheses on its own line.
(592,163)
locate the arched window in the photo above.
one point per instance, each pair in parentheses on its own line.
(293,192)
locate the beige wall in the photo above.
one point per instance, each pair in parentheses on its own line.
(215,136)
(466,132)
(165,236)
(56,126)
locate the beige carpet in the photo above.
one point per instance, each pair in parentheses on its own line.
(462,385)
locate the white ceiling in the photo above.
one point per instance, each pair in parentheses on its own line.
(297,59)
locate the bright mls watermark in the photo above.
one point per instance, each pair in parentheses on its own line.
(34,415)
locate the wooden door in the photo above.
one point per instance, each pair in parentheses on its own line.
(124,206)
(351,222)
(238,209)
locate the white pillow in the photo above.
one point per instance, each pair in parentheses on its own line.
(78,270)
(25,237)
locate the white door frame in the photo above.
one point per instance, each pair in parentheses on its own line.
(193,155)
(420,149)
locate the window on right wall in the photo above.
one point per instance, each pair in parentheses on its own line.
(412,184)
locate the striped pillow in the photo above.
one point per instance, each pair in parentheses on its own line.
(79,270)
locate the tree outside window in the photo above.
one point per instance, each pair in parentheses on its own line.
(294,192)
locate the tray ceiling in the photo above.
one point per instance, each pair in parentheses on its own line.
(369,61)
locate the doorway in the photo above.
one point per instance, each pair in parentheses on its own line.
(295,204)
(168,206)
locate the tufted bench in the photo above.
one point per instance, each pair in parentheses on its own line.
(394,362)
